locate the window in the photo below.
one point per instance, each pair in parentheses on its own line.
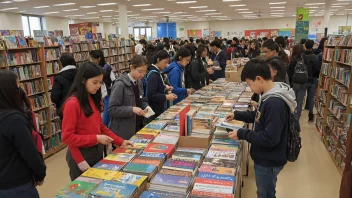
(31,23)
(145,32)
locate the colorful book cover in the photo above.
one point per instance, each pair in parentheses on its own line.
(156,124)
(222,154)
(220,162)
(161,194)
(214,182)
(129,178)
(187,156)
(191,149)
(149,131)
(224,147)
(160,148)
(10,41)
(217,170)
(166,139)
(141,141)
(139,168)
(127,150)
(213,188)
(109,189)
(141,160)
(107,166)
(214,176)
(21,41)
(122,157)
(99,173)
(143,136)
(153,155)
(78,188)
(196,193)
(180,165)
(176,173)
(171,180)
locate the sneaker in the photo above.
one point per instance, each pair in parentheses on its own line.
(311,117)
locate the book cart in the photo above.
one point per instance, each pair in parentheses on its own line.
(334,99)
(182,152)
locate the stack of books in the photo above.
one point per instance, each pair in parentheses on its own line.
(141,140)
(156,125)
(110,189)
(115,161)
(81,187)
(140,168)
(161,194)
(129,178)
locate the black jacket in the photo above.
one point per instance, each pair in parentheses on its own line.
(221,58)
(62,85)
(20,160)
(313,60)
(253,54)
(155,91)
(199,77)
(107,79)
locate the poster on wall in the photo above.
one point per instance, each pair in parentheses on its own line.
(74,31)
(51,33)
(94,29)
(237,34)
(286,32)
(40,33)
(80,29)
(261,32)
(344,30)
(274,33)
(302,24)
(59,33)
(252,35)
(194,33)
(16,33)
(205,33)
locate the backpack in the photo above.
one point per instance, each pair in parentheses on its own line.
(294,144)
(300,72)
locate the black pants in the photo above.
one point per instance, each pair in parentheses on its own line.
(92,155)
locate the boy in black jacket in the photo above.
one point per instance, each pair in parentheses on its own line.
(269,138)
(64,80)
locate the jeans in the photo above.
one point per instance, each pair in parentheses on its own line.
(300,92)
(106,116)
(265,178)
(27,190)
(311,88)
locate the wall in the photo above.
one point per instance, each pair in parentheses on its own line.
(57,23)
(10,21)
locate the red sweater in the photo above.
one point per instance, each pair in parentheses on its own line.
(79,131)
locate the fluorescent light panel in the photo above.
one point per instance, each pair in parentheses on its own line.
(51,12)
(206,11)
(308,4)
(106,10)
(92,13)
(246,12)
(64,4)
(242,9)
(281,7)
(239,5)
(198,7)
(70,10)
(106,4)
(6,2)
(161,12)
(213,13)
(230,0)
(5,9)
(42,7)
(141,5)
(277,3)
(87,6)
(186,2)
(152,9)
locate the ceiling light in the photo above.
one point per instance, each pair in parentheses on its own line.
(224,19)
(213,13)
(42,7)
(6,2)
(198,7)
(19,0)
(51,12)
(348,9)
(308,4)
(246,12)
(106,4)
(230,0)
(239,5)
(64,4)
(242,9)
(219,16)
(312,10)
(161,12)
(91,18)
(294,15)
(344,0)
(340,4)
(337,6)
(206,11)
(185,2)
(77,15)
(277,3)
(133,15)
(140,5)
(15,8)
(106,10)
(92,13)
(180,12)
(87,6)
(274,13)
(282,7)
(186,15)
(70,10)
(152,9)
(313,7)
(23,11)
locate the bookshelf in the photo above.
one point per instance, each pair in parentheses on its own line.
(334,98)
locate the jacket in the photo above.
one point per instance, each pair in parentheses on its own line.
(253,54)
(199,77)
(20,161)
(62,85)
(221,58)
(107,79)
(292,65)
(122,100)
(156,93)
(269,137)
(175,74)
(314,62)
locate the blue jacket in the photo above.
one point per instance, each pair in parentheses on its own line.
(175,73)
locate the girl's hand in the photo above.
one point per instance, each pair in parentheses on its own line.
(104,139)
(127,143)
(138,111)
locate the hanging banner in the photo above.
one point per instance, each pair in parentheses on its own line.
(344,29)
(287,32)
(194,33)
(302,24)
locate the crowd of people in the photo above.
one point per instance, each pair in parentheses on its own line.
(161,74)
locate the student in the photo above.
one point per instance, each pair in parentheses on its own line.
(150,52)
(63,81)
(320,48)
(21,165)
(176,76)
(254,49)
(199,71)
(302,41)
(219,56)
(140,47)
(269,137)
(156,88)
(82,128)
(313,60)
(284,54)
(270,49)
(127,100)
(98,58)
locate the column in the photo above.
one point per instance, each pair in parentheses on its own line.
(327,16)
(123,19)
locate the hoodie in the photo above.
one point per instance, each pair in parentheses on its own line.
(269,137)
(62,85)
(175,74)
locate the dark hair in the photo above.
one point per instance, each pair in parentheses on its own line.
(271,45)
(150,47)
(191,49)
(229,42)
(167,46)
(257,47)
(309,44)
(27,108)
(78,89)
(98,54)
(198,40)
(161,55)
(265,38)
(322,42)
(67,59)
(215,43)
(183,52)
(280,67)
(200,50)
(191,39)
(236,40)
(142,41)
(186,41)
(157,41)
(286,37)
(216,38)
(9,96)
(256,67)
(303,41)
(138,61)
(166,40)
(297,51)
(174,43)
(280,41)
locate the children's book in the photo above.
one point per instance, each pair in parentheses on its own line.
(180,165)
(160,148)
(191,149)
(129,178)
(214,176)
(220,162)
(176,173)
(99,173)
(78,188)
(161,194)
(127,150)
(153,155)
(11,42)
(109,165)
(109,189)
(166,139)
(122,157)
(186,156)
(204,194)
(217,170)
(222,154)
(145,169)
(21,42)
(171,180)
(148,112)
(144,160)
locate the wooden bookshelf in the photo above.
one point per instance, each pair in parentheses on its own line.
(334,101)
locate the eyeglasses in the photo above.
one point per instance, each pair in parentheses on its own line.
(141,71)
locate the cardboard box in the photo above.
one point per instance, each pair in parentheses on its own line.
(233,76)
(196,142)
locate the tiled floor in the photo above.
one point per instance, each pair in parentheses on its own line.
(313,175)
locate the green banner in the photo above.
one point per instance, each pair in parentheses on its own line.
(302,24)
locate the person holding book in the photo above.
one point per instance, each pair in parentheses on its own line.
(199,75)
(64,80)
(269,137)
(156,89)
(82,128)
(218,56)
(127,100)
(21,165)
(176,76)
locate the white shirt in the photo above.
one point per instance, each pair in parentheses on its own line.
(133,80)
(139,49)
(288,52)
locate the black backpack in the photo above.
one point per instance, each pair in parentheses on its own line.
(300,72)
(294,144)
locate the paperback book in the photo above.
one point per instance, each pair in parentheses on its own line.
(127,150)
(166,139)
(99,173)
(108,165)
(145,169)
(222,154)
(215,186)
(220,162)
(186,156)
(121,157)
(180,165)
(161,194)
(214,176)
(176,172)
(129,178)
(216,170)
(78,188)
(170,180)
(191,149)
(109,189)
(204,194)
(160,148)
(151,161)
(153,155)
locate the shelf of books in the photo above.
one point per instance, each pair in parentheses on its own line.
(184,152)
(36,67)
(334,97)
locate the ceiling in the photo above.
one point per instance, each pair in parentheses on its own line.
(176,10)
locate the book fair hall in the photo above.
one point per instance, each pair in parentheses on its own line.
(175,99)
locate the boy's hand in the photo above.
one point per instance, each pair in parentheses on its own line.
(233,135)
(230,117)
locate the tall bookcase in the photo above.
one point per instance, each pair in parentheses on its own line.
(334,99)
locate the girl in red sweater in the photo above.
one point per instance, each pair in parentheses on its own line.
(82,128)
